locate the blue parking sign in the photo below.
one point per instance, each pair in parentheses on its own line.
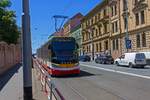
(128,44)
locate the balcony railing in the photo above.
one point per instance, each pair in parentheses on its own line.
(113,2)
(139,5)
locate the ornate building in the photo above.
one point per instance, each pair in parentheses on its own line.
(76,33)
(138,26)
(104,27)
(96,30)
(72,23)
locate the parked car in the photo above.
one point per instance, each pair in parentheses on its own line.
(147,55)
(104,59)
(85,58)
(132,60)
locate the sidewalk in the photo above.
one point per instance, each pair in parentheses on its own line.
(11,85)
(38,93)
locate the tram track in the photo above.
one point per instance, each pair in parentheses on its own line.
(94,84)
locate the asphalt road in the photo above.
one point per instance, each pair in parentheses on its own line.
(97,84)
(139,71)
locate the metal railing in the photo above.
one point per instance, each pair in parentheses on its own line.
(54,92)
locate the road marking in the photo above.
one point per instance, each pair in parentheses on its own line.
(110,70)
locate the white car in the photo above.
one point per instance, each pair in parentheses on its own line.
(147,55)
(132,60)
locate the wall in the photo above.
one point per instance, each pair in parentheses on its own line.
(9,56)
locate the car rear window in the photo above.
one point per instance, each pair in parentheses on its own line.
(140,56)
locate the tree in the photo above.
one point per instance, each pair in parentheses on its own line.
(8,28)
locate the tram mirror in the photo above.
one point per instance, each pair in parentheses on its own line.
(49,46)
(77,46)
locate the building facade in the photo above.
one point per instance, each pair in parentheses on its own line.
(76,33)
(104,28)
(72,23)
(138,26)
(96,30)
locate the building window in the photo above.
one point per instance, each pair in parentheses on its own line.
(144,40)
(142,17)
(96,18)
(106,45)
(104,12)
(138,44)
(93,48)
(99,30)
(100,47)
(115,27)
(92,21)
(113,31)
(96,47)
(99,15)
(105,28)
(137,18)
(113,43)
(114,10)
(117,46)
(89,48)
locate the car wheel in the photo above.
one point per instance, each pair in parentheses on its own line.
(130,65)
(96,61)
(117,63)
(100,62)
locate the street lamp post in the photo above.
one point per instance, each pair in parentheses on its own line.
(92,44)
(126,22)
(27,53)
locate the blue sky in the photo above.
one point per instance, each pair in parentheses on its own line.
(41,12)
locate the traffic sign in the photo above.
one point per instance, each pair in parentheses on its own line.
(128,44)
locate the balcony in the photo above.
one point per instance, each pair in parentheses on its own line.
(105,19)
(141,4)
(113,2)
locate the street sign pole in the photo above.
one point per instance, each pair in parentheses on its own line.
(126,28)
(27,53)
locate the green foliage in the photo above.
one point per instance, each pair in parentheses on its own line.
(8,28)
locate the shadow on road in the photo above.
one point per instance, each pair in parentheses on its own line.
(82,74)
(4,78)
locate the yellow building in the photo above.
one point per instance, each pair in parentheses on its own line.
(66,28)
(138,26)
(96,30)
(103,28)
